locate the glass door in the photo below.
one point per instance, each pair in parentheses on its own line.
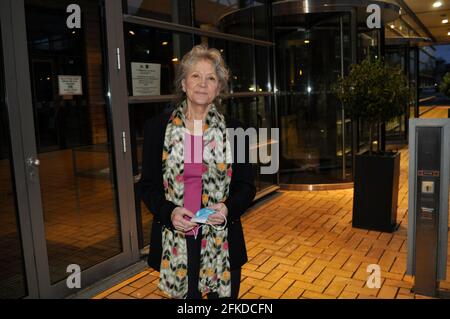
(74,139)
(14,282)
(315,133)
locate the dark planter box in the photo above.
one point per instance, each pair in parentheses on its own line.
(376,191)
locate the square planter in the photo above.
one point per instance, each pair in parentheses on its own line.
(375,195)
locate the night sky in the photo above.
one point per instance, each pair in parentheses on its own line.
(443,51)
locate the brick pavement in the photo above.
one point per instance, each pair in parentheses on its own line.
(301,245)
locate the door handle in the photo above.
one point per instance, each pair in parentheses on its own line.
(33,162)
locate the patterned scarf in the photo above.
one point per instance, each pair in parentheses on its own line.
(214,255)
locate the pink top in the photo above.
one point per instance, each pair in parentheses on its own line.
(193,164)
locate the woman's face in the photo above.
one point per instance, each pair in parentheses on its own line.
(201,83)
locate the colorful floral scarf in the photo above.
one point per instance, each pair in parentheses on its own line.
(214,256)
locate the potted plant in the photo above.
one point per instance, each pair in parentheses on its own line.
(375,93)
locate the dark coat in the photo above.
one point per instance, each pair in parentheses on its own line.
(241,194)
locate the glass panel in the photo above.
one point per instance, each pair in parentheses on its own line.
(413,77)
(12,273)
(156,50)
(309,61)
(233,17)
(262,64)
(427,87)
(139,114)
(396,56)
(73,135)
(175,11)
(253,112)
(241,61)
(368,46)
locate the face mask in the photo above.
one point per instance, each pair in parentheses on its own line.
(202,215)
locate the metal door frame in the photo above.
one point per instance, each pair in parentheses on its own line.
(19,102)
(13,77)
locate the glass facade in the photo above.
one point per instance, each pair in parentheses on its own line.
(427,83)
(73,136)
(13,282)
(315,134)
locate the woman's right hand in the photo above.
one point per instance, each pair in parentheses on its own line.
(179,221)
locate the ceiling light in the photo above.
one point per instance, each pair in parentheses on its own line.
(448,33)
(306,41)
(392,26)
(437,4)
(131,32)
(445,21)
(175,60)
(165,43)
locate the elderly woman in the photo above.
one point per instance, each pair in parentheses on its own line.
(187,165)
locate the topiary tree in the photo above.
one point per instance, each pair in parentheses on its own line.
(444,87)
(373,91)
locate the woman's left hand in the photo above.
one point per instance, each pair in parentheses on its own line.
(219,216)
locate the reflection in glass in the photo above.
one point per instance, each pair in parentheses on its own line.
(427,87)
(12,274)
(315,139)
(139,114)
(161,48)
(413,77)
(240,60)
(397,56)
(73,136)
(243,18)
(367,48)
(175,11)
(254,112)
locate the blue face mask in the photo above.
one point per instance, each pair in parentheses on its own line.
(202,215)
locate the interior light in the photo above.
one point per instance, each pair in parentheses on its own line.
(175,60)
(445,21)
(165,43)
(307,41)
(392,26)
(437,4)
(131,32)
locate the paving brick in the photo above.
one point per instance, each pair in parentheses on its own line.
(253,274)
(282,285)
(127,290)
(258,283)
(387,292)
(250,295)
(315,295)
(266,292)
(275,275)
(335,288)
(292,293)
(118,295)
(348,295)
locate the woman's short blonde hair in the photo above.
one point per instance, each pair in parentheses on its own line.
(198,53)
